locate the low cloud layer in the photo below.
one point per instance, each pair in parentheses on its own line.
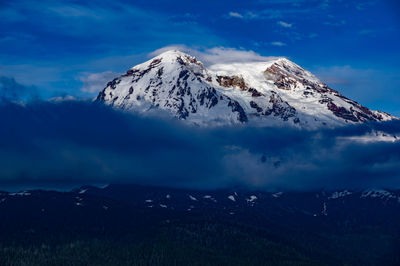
(70,142)
(10,90)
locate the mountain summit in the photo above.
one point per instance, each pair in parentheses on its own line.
(272,93)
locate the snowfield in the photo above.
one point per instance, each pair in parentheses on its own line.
(273,93)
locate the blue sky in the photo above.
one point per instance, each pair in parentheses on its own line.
(73,47)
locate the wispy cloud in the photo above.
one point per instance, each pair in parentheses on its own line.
(281,10)
(277,43)
(247,15)
(365,4)
(235,15)
(179,47)
(75,11)
(69,37)
(32,74)
(369,32)
(284,24)
(336,23)
(94,82)
(98,25)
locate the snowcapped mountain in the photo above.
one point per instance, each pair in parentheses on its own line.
(273,93)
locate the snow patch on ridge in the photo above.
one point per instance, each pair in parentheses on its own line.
(276,92)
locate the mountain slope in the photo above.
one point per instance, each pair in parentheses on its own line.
(277,92)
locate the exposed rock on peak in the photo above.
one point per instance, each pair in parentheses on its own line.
(276,92)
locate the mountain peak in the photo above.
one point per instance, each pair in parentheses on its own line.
(171,61)
(272,93)
(284,60)
(173,54)
(177,56)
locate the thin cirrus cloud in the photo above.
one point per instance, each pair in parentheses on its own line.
(279,44)
(248,15)
(336,23)
(75,35)
(235,15)
(284,24)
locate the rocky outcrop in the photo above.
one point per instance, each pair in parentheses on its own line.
(271,92)
(237,82)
